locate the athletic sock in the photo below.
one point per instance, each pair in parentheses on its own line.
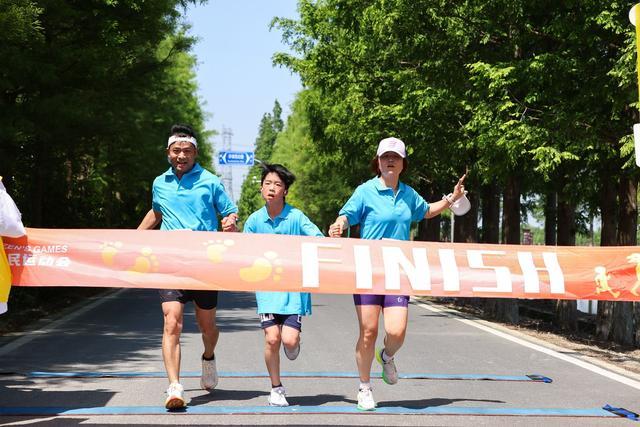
(209,359)
(385,356)
(276,386)
(365,386)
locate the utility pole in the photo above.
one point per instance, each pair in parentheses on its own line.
(226,170)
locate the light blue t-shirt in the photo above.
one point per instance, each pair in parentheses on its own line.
(290,221)
(380,213)
(192,202)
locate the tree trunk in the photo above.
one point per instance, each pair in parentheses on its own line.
(511,212)
(566,311)
(466,226)
(490,230)
(550,218)
(490,214)
(608,204)
(506,309)
(625,324)
(429,230)
(619,321)
(38,189)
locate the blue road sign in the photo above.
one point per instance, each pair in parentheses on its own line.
(243,158)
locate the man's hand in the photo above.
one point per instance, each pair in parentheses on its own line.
(229,222)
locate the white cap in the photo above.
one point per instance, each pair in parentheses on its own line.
(391,144)
(176,138)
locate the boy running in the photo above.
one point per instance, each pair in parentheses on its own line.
(280,312)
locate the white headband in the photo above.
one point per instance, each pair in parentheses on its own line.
(176,138)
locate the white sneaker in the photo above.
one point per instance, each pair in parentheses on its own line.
(292,355)
(278,397)
(389,370)
(365,400)
(175,397)
(209,377)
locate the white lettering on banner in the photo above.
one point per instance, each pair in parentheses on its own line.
(418,271)
(532,278)
(46,261)
(503,275)
(364,269)
(30,260)
(450,273)
(63,262)
(14,259)
(311,262)
(419,275)
(50,249)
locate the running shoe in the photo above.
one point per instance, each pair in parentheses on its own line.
(292,355)
(278,397)
(209,378)
(389,371)
(365,400)
(175,397)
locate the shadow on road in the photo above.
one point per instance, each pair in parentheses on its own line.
(25,392)
(123,331)
(429,403)
(219,395)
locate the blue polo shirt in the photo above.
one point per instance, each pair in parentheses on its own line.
(382,214)
(192,202)
(290,221)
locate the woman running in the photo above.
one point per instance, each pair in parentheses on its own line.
(385,207)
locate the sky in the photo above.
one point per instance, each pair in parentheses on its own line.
(237,82)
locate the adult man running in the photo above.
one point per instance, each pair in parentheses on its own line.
(189,197)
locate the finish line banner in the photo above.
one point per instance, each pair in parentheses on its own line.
(268,262)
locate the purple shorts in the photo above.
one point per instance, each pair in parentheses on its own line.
(382,300)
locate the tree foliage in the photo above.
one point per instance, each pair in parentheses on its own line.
(86,105)
(536,98)
(270,126)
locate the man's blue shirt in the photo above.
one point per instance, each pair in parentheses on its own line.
(380,213)
(290,221)
(192,202)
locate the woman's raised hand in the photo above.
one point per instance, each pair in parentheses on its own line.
(458,189)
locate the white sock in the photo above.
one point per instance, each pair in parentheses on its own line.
(385,356)
(365,386)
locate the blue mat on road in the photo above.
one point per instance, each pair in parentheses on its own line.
(196,374)
(251,410)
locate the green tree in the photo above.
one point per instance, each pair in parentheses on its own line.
(270,126)
(87,102)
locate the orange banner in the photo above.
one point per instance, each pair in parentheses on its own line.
(261,262)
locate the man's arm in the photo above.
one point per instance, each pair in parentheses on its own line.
(150,220)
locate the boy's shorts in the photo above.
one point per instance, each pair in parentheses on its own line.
(291,320)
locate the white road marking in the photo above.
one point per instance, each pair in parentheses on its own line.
(581,363)
(27,336)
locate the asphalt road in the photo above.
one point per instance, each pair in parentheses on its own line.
(461,372)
